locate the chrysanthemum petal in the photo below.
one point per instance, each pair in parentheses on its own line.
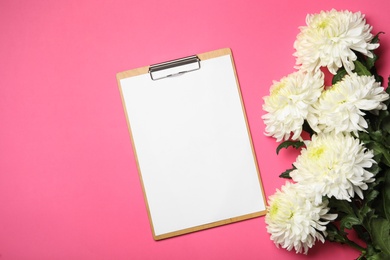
(289,103)
(334,165)
(294,220)
(330,39)
(341,107)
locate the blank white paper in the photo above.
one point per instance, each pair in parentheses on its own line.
(193,147)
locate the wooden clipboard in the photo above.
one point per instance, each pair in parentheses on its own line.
(192,143)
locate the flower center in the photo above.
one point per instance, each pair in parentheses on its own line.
(337,89)
(323,24)
(315,153)
(274,210)
(276,89)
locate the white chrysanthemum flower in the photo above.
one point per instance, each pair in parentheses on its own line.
(289,103)
(341,107)
(294,220)
(334,165)
(330,39)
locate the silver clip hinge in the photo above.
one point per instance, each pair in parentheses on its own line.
(174,67)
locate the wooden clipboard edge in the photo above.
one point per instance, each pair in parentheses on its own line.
(120,76)
(210,225)
(131,73)
(144,70)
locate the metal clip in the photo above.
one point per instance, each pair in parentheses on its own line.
(174,67)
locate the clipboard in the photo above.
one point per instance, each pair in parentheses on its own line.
(192,143)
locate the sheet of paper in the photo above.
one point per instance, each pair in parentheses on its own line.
(193,148)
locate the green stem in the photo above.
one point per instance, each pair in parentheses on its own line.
(354,245)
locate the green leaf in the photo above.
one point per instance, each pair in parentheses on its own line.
(286,174)
(382,115)
(341,205)
(375,39)
(334,234)
(386,195)
(286,144)
(371,145)
(364,137)
(388,85)
(376,135)
(360,69)
(362,233)
(386,155)
(374,169)
(377,256)
(365,211)
(339,75)
(380,233)
(371,254)
(349,221)
(385,123)
(381,153)
(371,196)
(371,61)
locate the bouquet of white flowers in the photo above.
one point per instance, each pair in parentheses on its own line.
(341,179)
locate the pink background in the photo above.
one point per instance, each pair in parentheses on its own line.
(69,187)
